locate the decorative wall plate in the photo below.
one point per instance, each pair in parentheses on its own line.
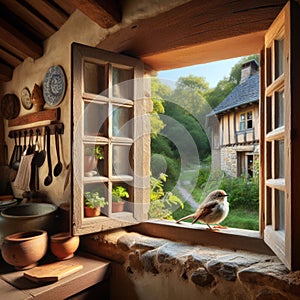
(54,85)
(10,106)
(26,98)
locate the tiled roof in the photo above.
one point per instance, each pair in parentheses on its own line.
(246,92)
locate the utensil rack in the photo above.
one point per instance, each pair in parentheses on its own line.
(57,127)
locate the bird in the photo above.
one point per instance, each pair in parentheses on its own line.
(213,210)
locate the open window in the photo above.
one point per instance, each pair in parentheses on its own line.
(94,75)
(278,106)
(110,129)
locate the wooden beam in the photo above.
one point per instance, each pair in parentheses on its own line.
(11,36)
(104,13)
(6,72)
(54,15)
(9,57)
(191,24)
(22,12)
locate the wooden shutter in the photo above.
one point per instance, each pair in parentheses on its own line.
(279,113)
(108,110)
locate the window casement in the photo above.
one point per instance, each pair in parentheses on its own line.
(109,116)
(279,189)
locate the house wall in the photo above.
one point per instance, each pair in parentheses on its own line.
(233,140)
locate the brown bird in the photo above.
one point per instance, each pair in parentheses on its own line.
(213,210)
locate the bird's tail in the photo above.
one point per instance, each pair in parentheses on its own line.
(185,218)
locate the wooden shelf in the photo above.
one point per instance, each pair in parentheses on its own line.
(16,286)
(50,115)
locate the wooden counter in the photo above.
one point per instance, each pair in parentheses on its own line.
(14,286)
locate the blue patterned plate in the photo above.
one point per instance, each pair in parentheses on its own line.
(54,85)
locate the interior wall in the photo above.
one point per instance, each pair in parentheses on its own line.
(57,51)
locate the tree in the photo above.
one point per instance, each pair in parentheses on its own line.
(159,92)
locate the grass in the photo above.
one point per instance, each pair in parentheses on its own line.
(237,218)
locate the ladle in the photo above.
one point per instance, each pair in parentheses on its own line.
(18,154)
(58,167)
(48,179)
(12,158)
(41,155)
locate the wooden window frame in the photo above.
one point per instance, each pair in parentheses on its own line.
(139,139)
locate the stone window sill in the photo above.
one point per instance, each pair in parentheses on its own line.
(208,268)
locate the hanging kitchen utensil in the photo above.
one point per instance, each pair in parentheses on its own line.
(30,148)
(14,151)
(41,155)
(16,163)
(48,179)
(59,166)
(24,142)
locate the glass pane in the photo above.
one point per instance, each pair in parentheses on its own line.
(281,207)
(122,83)
(279,159)
(122,122)
(95,78)
(95,116)
(121,160)
(121,195)
(94,158)
(279,57)
(279,109)
(96,194)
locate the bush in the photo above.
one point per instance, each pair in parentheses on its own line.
(243,192)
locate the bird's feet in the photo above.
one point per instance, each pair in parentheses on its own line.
(218,226)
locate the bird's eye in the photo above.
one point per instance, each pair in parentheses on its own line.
(220,195)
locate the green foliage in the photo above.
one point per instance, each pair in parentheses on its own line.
(118,193)
(95,150)
(93,199)
(243,192)
(161,202)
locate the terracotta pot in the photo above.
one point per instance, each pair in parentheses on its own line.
(24,249)
(92,212)
(118,206)
(63,245)
(90,163)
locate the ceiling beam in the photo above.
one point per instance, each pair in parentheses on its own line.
(12,38)
(105,13)
(6,72)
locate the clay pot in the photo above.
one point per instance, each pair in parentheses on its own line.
(63,245)
(24,249)
(118,206)
(92,212)
(90,163)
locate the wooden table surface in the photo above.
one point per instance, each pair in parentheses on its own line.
(14,286)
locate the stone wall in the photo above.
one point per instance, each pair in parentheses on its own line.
(153,268)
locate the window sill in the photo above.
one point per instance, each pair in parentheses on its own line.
(198,234)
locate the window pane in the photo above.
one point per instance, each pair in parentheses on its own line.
(94,157)
(279,57)
(279,109)
(123,83)
(122,122)
(281,209)
(95,78)
(95,116)
(279,148)
(121,160)
(90,197)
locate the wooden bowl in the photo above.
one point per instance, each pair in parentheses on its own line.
(24,249)
(63,245)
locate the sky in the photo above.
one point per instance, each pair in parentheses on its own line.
(212,72)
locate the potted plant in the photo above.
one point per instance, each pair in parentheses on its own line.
(92,153)
(93,204)
(118,194)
